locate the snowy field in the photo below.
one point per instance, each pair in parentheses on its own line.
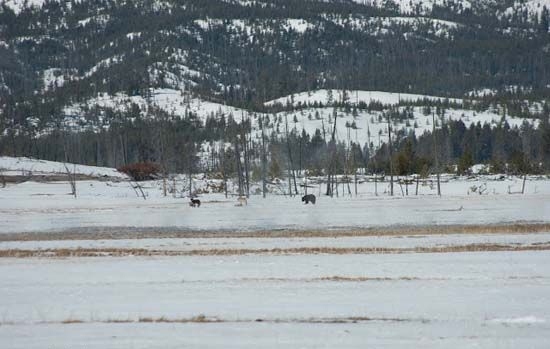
(33,206)
(401,242)
(115,202)
(108,269)
(451,300)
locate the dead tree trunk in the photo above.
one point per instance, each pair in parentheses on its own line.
(436,156)
(246,173)
(391,154)
(190,183)
(332,161)
(264,161)
(71,177)
(239,166)
(290,164)
(137,186)
(222,160)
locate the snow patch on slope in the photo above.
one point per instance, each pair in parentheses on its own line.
(171,101)
(18,5)
(420,6)
(531,6)
(23,165)
(331,96)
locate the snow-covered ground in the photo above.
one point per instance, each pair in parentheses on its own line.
(376,334)
(260,244)
(452,300)
(35,206)
(48,206)
(206,290)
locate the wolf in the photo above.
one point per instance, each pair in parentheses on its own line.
(241,201)
(195,203)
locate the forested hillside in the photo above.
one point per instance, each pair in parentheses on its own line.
(188,84)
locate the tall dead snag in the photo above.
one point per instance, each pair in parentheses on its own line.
(244,132)
(239,166)
(190,165)
(222,158)
(264,160)
(332,160)
(391,153)
(436,157)
(163,162)
(222,165)
(190,183)
(370,151)
(138,186)
(291,173)
(71,177)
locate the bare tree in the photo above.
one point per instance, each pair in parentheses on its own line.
(71,177)
(436,157)
(331,166)
(264,159)
(239,166)
(137,186)
(222,160)
(290,164)
(244,131)
(391,153)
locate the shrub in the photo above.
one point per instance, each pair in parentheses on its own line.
(141,171)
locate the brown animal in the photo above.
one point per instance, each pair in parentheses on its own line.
(195,203)
(309,198)
(241,201)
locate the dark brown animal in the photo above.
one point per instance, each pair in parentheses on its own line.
(195,203)
(309,198)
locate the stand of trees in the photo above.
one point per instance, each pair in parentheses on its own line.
(227,147)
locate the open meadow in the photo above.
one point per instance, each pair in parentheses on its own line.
(110,269)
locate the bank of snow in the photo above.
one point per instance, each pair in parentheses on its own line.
(22,166)
(327,97)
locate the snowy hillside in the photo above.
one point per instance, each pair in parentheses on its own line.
(35,167)
(362,127)
(365,127)
(174,102)
(366,124)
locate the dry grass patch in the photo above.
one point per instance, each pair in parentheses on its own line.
(207,320)
(117,233)
(122,252)
(72,321)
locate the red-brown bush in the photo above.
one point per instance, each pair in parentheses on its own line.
(141,171)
